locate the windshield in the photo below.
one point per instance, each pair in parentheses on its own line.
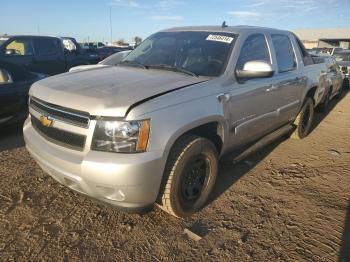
(203,53)
(114,59)
(3,40)
(342,57)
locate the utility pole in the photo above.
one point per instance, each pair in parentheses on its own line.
(110,23)
(38,28)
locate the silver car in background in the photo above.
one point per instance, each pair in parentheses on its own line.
(336,82)
(343,59)
(152,129)
(112,60)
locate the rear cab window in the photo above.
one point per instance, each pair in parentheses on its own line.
(286,59)
(3,40)
(306,57)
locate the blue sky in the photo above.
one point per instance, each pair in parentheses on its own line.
(90,19)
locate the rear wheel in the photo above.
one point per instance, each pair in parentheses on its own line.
(325,105)
(190,175)
(303,122)
(340,92)
(346,84)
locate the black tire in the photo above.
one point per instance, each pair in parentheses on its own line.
(303,122)
(325,105)
(340,92)
(346,83)
(189,176)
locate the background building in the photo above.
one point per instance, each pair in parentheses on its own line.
(324,37)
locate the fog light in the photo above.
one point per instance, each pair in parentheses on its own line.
(117,196)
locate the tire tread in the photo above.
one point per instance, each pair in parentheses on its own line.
(296,134)
(175,157)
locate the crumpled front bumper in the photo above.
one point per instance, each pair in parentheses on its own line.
(129,181)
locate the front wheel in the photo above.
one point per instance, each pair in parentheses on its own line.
(190,175)
(303,122)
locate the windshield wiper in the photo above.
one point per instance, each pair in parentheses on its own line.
(132,63)
(173,68)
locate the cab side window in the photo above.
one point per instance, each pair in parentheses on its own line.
(307,59)
(286,60)
(19,47)
(254,48)
(46,46)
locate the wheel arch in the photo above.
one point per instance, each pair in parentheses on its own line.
(315,93)
(212,128)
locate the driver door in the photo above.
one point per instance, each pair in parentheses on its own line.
(252,104)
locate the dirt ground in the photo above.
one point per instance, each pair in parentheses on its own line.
(289,202)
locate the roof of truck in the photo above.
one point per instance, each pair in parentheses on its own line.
(228,29)
(31,36)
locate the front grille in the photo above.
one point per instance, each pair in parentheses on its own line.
(58,136)
(63,114)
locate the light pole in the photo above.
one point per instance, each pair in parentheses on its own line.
(110,23)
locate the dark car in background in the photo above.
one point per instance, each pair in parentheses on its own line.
(104,52)
(15,82)
(76,55)
(92,45)
(41,54)
(91,55)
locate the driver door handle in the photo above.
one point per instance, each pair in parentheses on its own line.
(224,97)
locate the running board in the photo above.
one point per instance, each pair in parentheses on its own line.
(263,142)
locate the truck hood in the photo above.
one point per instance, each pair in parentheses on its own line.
(109,91)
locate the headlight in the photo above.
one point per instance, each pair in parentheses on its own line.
(121,136)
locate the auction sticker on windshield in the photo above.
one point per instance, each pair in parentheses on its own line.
(220,38)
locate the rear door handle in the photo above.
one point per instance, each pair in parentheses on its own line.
(272,88)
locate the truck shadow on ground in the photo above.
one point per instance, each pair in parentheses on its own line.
(11,137)
(319,116)
(229,173)
(344,255)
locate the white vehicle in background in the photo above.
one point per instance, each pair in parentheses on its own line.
(336,50)
(109,61)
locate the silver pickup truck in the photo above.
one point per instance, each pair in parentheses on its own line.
(152,129)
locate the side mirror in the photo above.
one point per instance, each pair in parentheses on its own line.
(10,52)
(255,69)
